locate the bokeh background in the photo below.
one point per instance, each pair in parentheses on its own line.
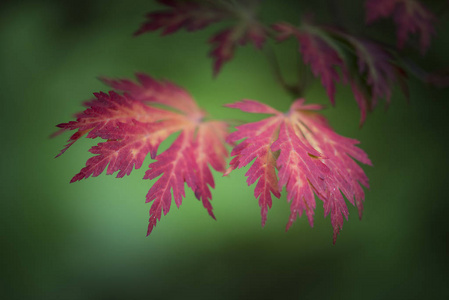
(87,240)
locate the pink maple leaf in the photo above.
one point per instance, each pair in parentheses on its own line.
(410,16)
(317,51)
(194,15)
(131,127)
(309,156)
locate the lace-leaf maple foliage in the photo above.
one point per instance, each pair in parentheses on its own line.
(132,126)
(330,53)
(297,150)
(310,158)
(410,16)
(195,15)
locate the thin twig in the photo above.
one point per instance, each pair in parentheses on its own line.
(295,91)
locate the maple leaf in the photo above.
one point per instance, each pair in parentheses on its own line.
(135,123)
(194,15)
(310,158)
(362,100)
(374,63)
(376,75)
(322,49)
(318,51)
(191,15)
(410,16)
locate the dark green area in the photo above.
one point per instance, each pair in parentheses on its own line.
(87,240)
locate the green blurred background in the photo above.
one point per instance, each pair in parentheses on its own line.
(87,240)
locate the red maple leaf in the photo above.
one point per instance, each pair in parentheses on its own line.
(194,15)
(321,49)
(309,156)
(317,50)
(131,127)
(376,75)
(374,63)
(410,16)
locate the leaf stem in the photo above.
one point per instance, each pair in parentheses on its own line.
(303,78)
(295,91)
